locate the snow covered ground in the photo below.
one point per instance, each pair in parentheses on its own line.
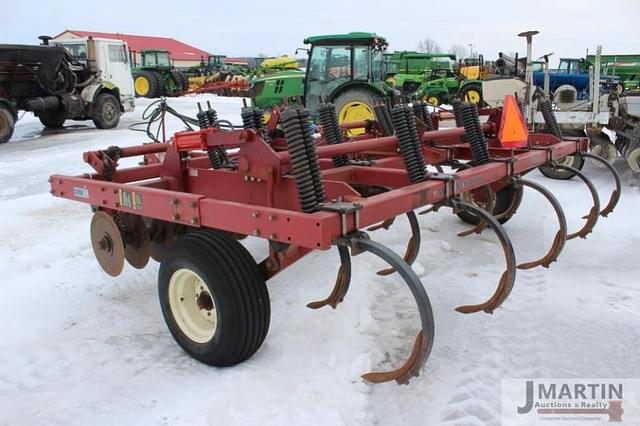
(78,347)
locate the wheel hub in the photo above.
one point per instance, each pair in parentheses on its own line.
(192,305)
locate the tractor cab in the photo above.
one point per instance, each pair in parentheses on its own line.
(571,65)
(215,61)
(155,58)
(347,70)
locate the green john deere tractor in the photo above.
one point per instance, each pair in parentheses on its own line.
(406,70)
(155,77)
(441,86)
(344,69)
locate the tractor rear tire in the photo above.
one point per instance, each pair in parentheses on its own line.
(146,84)
(181,81)
(52,120)
(471,92)
(356,104)
(106,113)
(7,124)
(214,298)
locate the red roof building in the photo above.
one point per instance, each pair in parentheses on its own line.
(181,54)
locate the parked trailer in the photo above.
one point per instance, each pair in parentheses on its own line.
(190,201)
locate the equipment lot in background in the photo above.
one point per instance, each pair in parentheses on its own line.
(79,347)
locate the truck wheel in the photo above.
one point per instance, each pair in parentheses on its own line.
(214,298)
(356,104)
(106,111)
(471,92)
(146,84)
(53,120)
(7,124)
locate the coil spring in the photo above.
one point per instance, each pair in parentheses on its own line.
(212,115)
(458,118)
(421,110)
(384,118)
(252,118)
(203,118)
(206,120)
(404,123)
(550,118)
(331,131)
(474,135)
(306,170)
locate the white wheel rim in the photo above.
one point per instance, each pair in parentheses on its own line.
(192,306)
(566,161)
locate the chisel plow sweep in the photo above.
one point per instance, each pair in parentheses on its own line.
(190,201)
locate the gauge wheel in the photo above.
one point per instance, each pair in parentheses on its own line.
(214,298)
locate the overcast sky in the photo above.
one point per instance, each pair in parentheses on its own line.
(272,27)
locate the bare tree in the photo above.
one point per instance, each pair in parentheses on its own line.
(428,45)
(459,50)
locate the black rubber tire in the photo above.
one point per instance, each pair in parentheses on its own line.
(468,88)
(575,161)
(238,289)
(52,120)
(162,83)
(7,124)
(504,197)
(180,79)
(154,83)
(106,111)
(358,94)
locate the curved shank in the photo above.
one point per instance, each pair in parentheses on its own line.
(561,235)
(592,216)
(424,340)
(615,194)
(342,282)
(508,276)
(413,246)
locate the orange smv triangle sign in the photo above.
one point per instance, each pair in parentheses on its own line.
(513,130)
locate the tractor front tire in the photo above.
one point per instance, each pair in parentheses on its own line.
(52,120)
(146,84)
(106,113)
(214,298)
(471,92)
(7,124)
(356,104)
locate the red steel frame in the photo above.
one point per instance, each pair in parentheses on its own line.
(259,199)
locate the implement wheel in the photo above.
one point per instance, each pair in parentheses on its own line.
(575,161)
(503,201)
(214,298)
